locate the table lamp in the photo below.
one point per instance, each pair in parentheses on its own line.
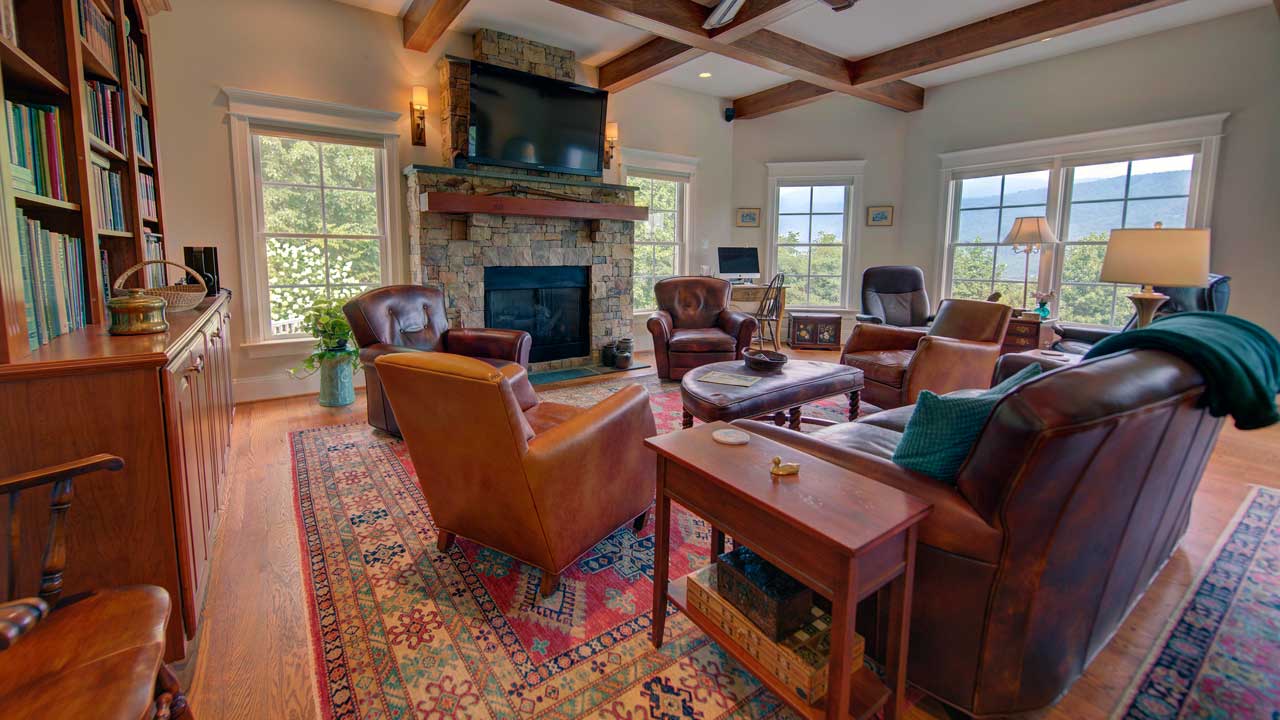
(1026,236)
(1148,257)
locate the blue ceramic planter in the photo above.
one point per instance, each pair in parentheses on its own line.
(337,387)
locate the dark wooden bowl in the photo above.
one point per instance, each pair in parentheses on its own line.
(764,360)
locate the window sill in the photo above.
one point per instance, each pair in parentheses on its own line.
(286,347)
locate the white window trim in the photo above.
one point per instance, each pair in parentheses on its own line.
(848,172)
(682,166)
(1201,135)
(247,109)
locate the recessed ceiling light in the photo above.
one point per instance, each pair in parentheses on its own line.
(704,75)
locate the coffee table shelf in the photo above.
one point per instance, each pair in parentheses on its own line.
(867,693)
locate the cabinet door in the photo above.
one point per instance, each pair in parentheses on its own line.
(188,448)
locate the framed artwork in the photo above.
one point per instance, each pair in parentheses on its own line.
(880,216)
(748,217)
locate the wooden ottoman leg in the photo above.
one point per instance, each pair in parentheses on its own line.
(780,418)
(638,523)
(686,419)
(793,417)
(855,399)
(444,541)
(550,582)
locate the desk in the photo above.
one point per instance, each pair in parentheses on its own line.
(746,298)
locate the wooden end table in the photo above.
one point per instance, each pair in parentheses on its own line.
(844,535)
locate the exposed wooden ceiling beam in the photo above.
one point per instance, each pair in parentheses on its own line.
(647,61)
(681,21)
(776,99)
(1015,28)
(427,20)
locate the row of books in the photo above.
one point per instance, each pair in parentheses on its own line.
(153,249)
(8,25)
(102,104)
(147,196)
(98,33)
(53,281)
(137,68)
(35,149)
(106,183)
(142,137)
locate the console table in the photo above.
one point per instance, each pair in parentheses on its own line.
(843,535)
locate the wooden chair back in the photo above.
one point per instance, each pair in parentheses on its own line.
(55,551)
(768,309)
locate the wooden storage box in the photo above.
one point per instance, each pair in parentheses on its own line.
(799,660)
(776,602)
(814,331)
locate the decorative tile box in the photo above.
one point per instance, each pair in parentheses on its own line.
(799,660)
(776,602)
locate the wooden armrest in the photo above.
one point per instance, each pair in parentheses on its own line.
(17,618)
(93,463)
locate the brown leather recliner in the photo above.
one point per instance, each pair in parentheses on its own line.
(960,350)
(1074,496)
(694,325)
(411,318)
(540,481)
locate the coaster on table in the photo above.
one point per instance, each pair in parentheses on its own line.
(730,436)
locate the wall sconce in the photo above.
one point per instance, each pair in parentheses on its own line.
(418,111)
(610,143)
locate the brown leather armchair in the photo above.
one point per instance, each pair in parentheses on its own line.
(694,325)
(100,655)
(411,318)
(1074,496)
(959,351)
(540,481)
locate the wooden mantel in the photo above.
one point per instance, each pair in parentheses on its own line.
(463,204)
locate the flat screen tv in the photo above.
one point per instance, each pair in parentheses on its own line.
(527,121)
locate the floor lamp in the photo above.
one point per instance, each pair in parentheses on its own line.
(1026,236)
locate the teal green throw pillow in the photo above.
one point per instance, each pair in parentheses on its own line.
(943,428)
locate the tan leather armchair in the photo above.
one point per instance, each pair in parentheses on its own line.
(1075,494)
(958,351)
(540,481)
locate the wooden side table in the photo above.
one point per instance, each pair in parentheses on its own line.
(844,535)
(1025,335)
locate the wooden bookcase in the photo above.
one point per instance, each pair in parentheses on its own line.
(49,66)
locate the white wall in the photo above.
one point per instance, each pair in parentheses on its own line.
(1231,64)
(323,50)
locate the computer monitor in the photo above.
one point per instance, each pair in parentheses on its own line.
(739,263)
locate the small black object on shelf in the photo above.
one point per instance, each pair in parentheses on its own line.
(774,601)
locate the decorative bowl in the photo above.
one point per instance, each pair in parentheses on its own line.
(764,359)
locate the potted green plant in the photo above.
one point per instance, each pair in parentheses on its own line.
(333,357)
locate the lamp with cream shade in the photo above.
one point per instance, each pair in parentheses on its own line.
(1156,256)
(1026,236)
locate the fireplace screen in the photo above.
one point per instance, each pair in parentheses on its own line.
(550,303)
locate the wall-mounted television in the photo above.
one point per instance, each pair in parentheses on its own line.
(528,121)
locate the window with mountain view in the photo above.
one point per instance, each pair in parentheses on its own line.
(1096,199)
(811,242)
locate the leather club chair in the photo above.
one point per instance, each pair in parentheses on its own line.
(411,318)
(540,481)
(1075,494)
(99,655)
(694,325)
(1214,297)
(958,351)
(894,295)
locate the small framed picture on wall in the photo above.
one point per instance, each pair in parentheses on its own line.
(879,216)
(748,217)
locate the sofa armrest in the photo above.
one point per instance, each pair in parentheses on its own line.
(19,617)
(369,353)
(493,343)
(867,336)
(873,319)
(1082,333)
(739,325)
(943,364)
(591,473)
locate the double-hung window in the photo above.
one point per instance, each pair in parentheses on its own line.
(811,229)
(660,239)
(319,221)
(1084,195)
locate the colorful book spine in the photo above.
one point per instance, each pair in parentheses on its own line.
(142,137)
(109,196)
(154,250)
(53,276)
(34,335)
(103,103)
(137,69)
(147,196)
(35,149)
(98,33)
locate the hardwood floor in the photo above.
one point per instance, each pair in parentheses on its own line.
(253,657)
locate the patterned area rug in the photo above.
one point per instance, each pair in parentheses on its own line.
(401,630)
(1220,655)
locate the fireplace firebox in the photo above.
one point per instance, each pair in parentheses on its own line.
(550,303)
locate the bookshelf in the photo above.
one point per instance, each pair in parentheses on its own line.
(51,65)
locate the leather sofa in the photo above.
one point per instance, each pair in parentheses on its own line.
(695,326)
(1214,297)
(959,350)
(1076,493)
(894,295)
(411,318)
(540,481)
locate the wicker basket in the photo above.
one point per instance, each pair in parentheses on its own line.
(178,297)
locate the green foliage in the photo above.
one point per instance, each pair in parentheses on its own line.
(656,239)
(813,271)
(325,322)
